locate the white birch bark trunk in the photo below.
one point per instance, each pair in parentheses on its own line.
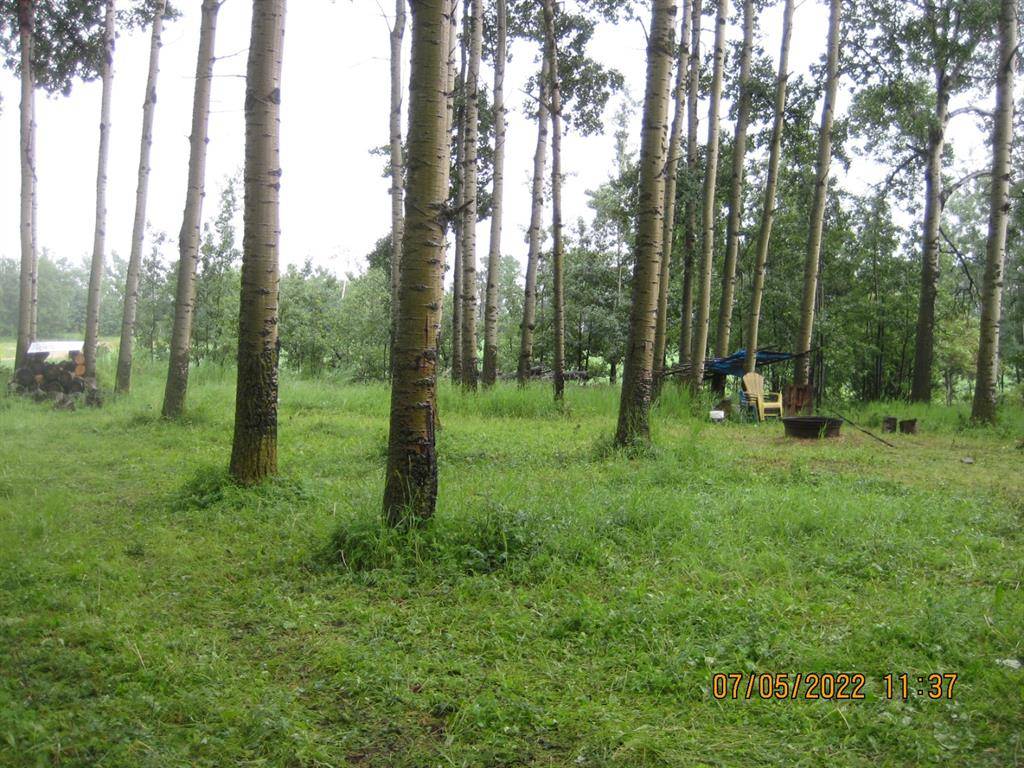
(739,154)
(254,446)
(470,370)
(557,268)
(123,382)
(635,401)
(690,208)
(28,276)
(675,147)
(708,210)
(458,222)
(490,370)
(771,184)
(410,492)
(924,345)
(176,388)
(987,379)
(395,131)
(802,373)
(99,245)
(540,155)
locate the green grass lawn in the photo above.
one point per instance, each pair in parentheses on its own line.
(568,606)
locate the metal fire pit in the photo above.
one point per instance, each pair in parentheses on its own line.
(811,427)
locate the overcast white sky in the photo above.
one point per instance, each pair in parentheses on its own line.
(335,110)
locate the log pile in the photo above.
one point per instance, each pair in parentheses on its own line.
(63,383)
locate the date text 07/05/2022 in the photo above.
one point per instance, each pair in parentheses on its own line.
(840,686)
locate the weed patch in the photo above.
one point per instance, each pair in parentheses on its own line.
(481,543)
(212,486)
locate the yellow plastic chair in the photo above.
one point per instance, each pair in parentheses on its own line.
(767,404)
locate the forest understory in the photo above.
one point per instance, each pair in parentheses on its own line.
(569,603)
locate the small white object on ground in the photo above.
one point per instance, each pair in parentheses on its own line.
(1009,663)
(718,415)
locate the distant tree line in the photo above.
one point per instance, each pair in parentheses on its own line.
(768,249)
(337,325)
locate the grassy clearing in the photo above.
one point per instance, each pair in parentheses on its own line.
(567,607)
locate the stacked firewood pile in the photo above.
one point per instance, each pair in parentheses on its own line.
(63,382)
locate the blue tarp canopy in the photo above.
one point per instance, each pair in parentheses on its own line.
(733,364)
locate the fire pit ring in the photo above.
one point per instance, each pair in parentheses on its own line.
(812,427)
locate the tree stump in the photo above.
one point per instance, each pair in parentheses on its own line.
(908,427)
(798,400)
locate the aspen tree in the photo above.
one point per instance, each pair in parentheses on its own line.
(29,279)
(490,370)
(176,387)
(987,379)
(410,491)
(690,207)
(810,290)
(254,447)
(99,243)
(468,302)
(635,401)
(771,184)
(700,334)
(739,153)
(557,248)
(540,155)
(668,225)
(395,138)
(123,381)
(460,202)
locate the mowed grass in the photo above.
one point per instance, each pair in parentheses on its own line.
(567,607)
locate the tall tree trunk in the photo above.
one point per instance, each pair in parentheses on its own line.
(540,155)
(771,184)
(410,491)
(131,287)
(34,325)
(986,381)
(452,43)
(739,154)
(254,448)
(469,298)
(635,401)
(668,224)
(557,268)
(395,132)
(490,372)
(924,346)
(460,201)
(690,208)
(813,257)
(99,243)
(28,277)
(613,362)
(176,388)
(700,335)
